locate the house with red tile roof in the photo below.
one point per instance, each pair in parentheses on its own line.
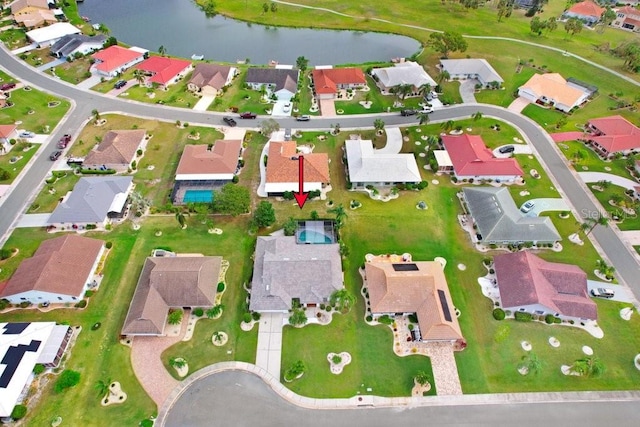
(329,81)
(610,135)
(60,271)
(115,59)
(527,283)
(413,287)
(7,133)
(472,159)
(587,11)
(627,18)
(164,71)
(552,89)
(282,169)
(117,150)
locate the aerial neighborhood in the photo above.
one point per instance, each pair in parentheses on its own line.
(334,227)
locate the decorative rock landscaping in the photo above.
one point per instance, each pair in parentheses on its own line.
(115,395)
(341,360)
(587,350)
(419,389)
(553,342)
(526,345)
(636,361)
(182,370)
(462,267)
(221,339)
(626,313)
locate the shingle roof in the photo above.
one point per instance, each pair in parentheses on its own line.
(327,79)
(71,42)
(282,164)
(280,77)
(553,86)
(471,66)
(587,8)
(210,75)
(117,147)
(19,5)
(498,218)
(394,290)
(222,158)
(114,57)
(619,134)
(170,282)
(59,266)
(525,279)
(471,157)
(367,165)
(92,199)
(35,18)
(284,270)
(163,69)
(403,73)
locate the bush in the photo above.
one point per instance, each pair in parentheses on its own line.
(255,316)
(67,379)
(89,293)
(246,318)
(287,195)
(199,311)
(521,316)
(91,226)
(385,319)
(38,369)
(109,245)
(548,319)
(413,318)
(81,304)
(411,327)
(557,320)
(499,314)
(19,411)
(146,423)
(5,253)
(97,171)
(235,179)
(369,318)
(4,303)
(220,286)
(24,304)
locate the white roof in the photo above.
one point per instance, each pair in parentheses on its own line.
(471,66)
(442,158)
(369,165)
(139,49)
(52,32)
(403,73)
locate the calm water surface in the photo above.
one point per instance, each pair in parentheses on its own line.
(182,28)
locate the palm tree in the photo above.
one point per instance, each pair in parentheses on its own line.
(104,29)
(340,213)
(605,269)
(578,156)
(476,116)
(342,300)
(181,219)
(214,311)
(532,363)
(177,362)
(139,76)
(424,89)
(217,336)
(423,117)
(162,50)
(405,90)
(378,125)
(103,387)
(593,222)
(96,115)
(443,76)
(588,367)
(448,125)
(422,378)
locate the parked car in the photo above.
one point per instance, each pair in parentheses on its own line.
(602,292)
(120,84)
(62,144)
(8,86)
(507,149)
(55,155)
(408,112)
(427,110)
(287,107)
(527,207)
(26,134)
(229,121)
(303,118)
(248,115)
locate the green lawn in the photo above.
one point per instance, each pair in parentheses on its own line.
(629,222)
(176,95)
(14,38)
(584,158)
(47,200)
(73,72)
(22,157)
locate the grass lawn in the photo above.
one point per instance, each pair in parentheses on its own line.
(585,159)
(14,38)
(16,167)
(542,187)
(37,57)
(629,222)
(176,95)
(73,72)
(239,96)
(46,201)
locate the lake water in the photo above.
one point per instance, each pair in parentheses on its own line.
(182,28)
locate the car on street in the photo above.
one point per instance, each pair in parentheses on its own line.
(120,84)
(55,155)
(507,149)
(427,110)
(602,292)
(248,115)
(26,134)
(303,118)
(229,121)
(527,207)
(8,86)
(408,112)
(64,141)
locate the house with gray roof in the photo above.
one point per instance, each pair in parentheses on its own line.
(282,82)
(500,221)
(368,166)
(71,44)
(209,79)
(285,270)
(171,282)
(403,73)
(94,200)
(472,68)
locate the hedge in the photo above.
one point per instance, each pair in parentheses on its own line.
(522,316)
(97,171)
(498,314)
(67,379)
(19,411)
(220,286)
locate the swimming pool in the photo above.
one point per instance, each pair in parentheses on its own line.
(198,196)
(308,236)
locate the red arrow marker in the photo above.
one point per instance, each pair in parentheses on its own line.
(300,196)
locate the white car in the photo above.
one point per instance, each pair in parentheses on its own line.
(287,107)
(527,207)
(26,134)
(427,110)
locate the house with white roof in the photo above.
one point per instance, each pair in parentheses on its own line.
(47,36)
(77,43)
(472,68)
(403,73)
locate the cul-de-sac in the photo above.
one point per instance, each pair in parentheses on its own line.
(218,213)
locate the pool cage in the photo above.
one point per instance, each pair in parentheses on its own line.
(180,189)
(316,232)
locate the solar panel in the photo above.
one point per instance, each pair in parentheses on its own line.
(444,305)
(14,328)
(405,267)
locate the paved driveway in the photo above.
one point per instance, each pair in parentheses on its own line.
(204,102)
(33,220)
(622,293)
(468,90)
(518,105)
(548,204)
(615,179)
(270,343)
(394,141)
(51,64)
(517,149)
(90,82)
(327,108)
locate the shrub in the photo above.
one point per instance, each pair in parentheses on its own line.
(411,326)
(199,311)
(24,304)
(38,369)
(67,379)
(4,303)
(498,314)
(220,286)
(5,253)
(19,411)
(81,304)
(91,226)
(369,318)
(385,319)
(109,245)
(139,152)
(175,317)
(89,293)
(557,320)
(235,179)
(548,319)
(521,316)
(571,321)
(246,318)
(255,316)
(287,195)
(413,318)
(146,423)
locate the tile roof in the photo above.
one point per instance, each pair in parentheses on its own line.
(553,86)
(7,130)
(284,270)
(212,75)
(394,290)
(282,78)
(19,5)
(587,8)
(67,44)
(471,157)
(60,266)
(326,80)
(368,165)
(629,10)
(170,282)
(114,57)
(618,134)
(222,158)
(163,69)
(92,199)
(35,18)
(52,32)
(403,73)
(499,220)
(282,164)
(471,66)
(117,147)
(526,279)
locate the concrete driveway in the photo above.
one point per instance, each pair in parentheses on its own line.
(615,179)
(547,204)
(33,220)
(517,149)
(327,108)
(622,294)
(90,82)
(204,102)
(51,64)
(518,105)
(269,350)
(394,141)
(468,90)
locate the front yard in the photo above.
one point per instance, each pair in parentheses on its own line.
(16,159)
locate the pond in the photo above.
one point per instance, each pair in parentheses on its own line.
(183,29)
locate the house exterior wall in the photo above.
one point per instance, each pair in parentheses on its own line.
(500,178)
(542,310)
(115,71)
(85,49)
(281,187)
(326,95)
(589,20)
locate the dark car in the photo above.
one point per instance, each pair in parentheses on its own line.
(120,84)
(229,121)
(8,86)
(64,141)
(507,149)
(55,155)
(408,112)
(248,115)
(303,118)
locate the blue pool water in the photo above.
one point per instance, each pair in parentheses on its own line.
(198,196)
(308,236)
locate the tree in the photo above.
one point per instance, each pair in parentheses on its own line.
(608,16)
(302,63)
(336,128)
(342,300)
(175,317)
(18,412)
(209,8)
(505,8)
(217,336)
(551,24)
(630,52)
(274,7)
(267,127)
(447,42)
(67,379)
(422,378)
(102,387)
(264,215)
(476,116)
(314,215)
(578,156)
(181,219)
(605,269)
(298,317)
(378,125)
(265,7)
(177,362)
(96,115)
(162,50)
(448,125)
(290,227)
(573,26)
(139,76)
(423,117)
(588,367)
(214,311)
(594,222)
(532,363)
(340,213)
(470,4)
(4,174)
(443,76)
(295,371)
(562,121)
(104,29)
(401,91)
(231,200)
(537,25)
(424,89)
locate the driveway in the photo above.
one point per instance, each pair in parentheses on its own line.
(278,109)
(90,82)
(270,342)
(468,91)
(394,141)
(51,64)
(566,136)
(24,49)
(327,108)
(622,294)
(115,92)
(517,149)
(33,220)
(204,102)
(518,105)
(547,204)
(602,176)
